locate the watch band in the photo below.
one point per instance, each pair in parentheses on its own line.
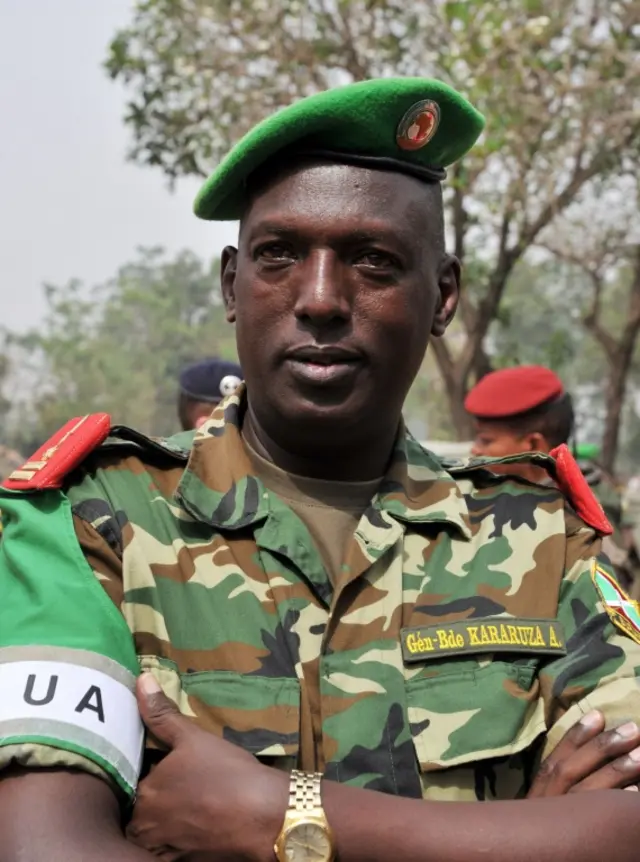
(305,791)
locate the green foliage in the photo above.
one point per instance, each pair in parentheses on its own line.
(557,81)
(552,77)
(540,318)
(200,73)
(119,348)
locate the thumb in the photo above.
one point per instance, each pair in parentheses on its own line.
(160,714)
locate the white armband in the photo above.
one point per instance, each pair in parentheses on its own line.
(72,700)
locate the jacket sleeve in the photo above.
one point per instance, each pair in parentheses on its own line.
(602,628)
(67,659)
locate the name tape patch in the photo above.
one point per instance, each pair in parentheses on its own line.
(489,634)
(71,705)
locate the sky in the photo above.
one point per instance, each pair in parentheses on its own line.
(71,205)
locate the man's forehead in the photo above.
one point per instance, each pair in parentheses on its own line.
(368,202)
(492,427)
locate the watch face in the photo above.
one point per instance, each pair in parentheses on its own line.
(307,842)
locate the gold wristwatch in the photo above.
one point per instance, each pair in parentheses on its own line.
(305,835)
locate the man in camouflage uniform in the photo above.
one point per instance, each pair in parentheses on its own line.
(311,588)
(202,385)
(520,409)
(620,546)
(631,516)
(526,409)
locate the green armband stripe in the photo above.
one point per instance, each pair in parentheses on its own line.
(67,659)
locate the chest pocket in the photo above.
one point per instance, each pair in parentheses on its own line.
(464,712)
(260,714)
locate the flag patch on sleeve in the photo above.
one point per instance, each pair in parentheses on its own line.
(622,610)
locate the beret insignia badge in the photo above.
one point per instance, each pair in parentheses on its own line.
(418,125)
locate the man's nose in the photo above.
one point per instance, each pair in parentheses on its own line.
(323,296)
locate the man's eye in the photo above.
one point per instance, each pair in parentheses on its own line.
(274,251)
(378,260)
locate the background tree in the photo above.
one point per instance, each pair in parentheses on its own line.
(118,348)
(601,240)
(557,79)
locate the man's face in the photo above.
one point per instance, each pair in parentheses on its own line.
(193,414)
(336,286)
(494,440)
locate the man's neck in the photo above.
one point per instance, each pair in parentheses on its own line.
(353,464)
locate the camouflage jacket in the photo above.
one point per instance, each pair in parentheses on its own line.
(473,625)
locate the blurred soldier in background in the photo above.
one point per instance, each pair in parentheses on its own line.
(515,410)
(631,510)
(621,547)
(527,409)
(203,385)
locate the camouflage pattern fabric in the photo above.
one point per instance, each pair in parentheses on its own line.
(229,606)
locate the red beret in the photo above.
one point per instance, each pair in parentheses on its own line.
(511,391)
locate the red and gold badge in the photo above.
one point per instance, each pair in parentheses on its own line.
(418,125)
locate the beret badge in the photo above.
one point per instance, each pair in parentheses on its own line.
(418,125)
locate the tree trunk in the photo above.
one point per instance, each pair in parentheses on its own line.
(619,353)
(454,377)
(472,361)
(462,422)
(614,402)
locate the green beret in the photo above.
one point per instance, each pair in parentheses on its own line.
(411,125)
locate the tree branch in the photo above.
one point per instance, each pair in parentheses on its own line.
(592,320)
(489,303)
(352,63)
(445,359)
(561,201)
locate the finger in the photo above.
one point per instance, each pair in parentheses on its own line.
(160,851)
(589,726)
(159,713)
(144,831)
(622,772)
(587,766)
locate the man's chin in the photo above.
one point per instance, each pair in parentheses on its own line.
(325,410)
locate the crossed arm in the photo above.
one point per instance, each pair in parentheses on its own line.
(209,800)
(61,816)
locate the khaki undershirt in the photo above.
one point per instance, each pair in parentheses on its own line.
(330,510)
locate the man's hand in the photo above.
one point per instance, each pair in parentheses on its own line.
(209,799)
(207,796)
(590,758)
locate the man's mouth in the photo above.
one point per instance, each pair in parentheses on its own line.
(323,364)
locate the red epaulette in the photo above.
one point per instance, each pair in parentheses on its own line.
(65,450)
(576,489)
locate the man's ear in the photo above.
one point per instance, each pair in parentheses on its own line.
(536,442)
(449,294)
(228,263)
